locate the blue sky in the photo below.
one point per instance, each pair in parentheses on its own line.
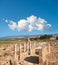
(16,10)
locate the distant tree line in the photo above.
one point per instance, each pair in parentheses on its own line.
(42,37)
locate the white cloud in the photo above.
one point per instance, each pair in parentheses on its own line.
(30,23)
(22,25)
(12,25)
(5,20)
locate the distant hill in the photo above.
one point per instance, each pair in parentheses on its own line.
(20,37)
(25,36)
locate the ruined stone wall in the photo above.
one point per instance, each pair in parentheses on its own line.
(4,62)
(28,48)
(23,56)
(24,49)
(44,53)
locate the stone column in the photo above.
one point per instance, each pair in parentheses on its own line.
(15,51)
(16,56)
(29,46)
(20,48)
(25,47)
(47,62)
(49,47)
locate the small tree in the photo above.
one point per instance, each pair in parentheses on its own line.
(57,38)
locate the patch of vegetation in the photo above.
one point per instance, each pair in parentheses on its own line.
(57,38)
(43,37)
(11,41)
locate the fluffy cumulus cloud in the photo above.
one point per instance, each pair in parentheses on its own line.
(12,25)
(29,24)
(22,25)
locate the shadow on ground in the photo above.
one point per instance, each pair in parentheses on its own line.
(32,59)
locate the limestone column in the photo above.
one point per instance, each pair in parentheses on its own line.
(16,56)
(25,47)
(29,46)
(47,62)
(15,51)
(49,47)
